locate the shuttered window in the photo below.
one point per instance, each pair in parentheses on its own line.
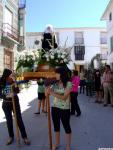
(111,44)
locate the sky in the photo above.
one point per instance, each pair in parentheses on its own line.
(64,14)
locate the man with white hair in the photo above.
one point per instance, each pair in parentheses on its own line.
(49,39)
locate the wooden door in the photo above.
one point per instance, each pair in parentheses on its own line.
(8,59)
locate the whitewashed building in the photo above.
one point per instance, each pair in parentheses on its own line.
(108,16)
(12,21)
(86,42)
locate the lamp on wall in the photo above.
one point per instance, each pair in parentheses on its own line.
(36,42)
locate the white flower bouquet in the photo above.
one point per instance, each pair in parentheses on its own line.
(55,57)
(27,59)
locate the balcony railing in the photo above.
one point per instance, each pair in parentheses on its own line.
(79,57)
(9,31)
(22,4)
(103,40)
(79,50)
(79,40)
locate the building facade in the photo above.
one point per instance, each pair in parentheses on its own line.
(10,31)
(85,43)
(108,16)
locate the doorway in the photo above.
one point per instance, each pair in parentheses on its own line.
(8,55)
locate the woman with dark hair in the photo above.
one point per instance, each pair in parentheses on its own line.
(82,81)
(97,80)
(61,105)
(74,94)
(8,89)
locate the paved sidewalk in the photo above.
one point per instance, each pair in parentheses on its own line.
(93,129)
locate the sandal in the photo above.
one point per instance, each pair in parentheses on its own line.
(55,147)
(9,141)
(43,111)
(26,141)
(36,113)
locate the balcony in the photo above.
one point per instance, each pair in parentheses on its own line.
(79,50)
(22,4)
(10,33)
(103,40)
(79,57)
(79,53)
(79,40)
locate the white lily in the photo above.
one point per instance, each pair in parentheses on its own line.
(65,60)
(52,57)
(63,56)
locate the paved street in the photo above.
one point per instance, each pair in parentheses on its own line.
(92,130)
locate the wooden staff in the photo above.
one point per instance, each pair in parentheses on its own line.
(46,107)
(15,116)
(49,121)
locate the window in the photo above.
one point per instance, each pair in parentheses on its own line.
(104,53)
(8,20)
(110,16)
(111,40)
(79,38)
(103,38)
(79,52)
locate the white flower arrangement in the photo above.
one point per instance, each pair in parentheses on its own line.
(55,57)
(27,59)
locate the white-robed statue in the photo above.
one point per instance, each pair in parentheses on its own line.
(49,39)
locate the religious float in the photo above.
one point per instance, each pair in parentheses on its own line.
(42,64)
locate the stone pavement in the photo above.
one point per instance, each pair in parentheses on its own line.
(93,129)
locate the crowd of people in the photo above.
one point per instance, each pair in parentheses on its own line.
(99,82)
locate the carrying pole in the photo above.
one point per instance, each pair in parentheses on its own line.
(15,118)
(49,121)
